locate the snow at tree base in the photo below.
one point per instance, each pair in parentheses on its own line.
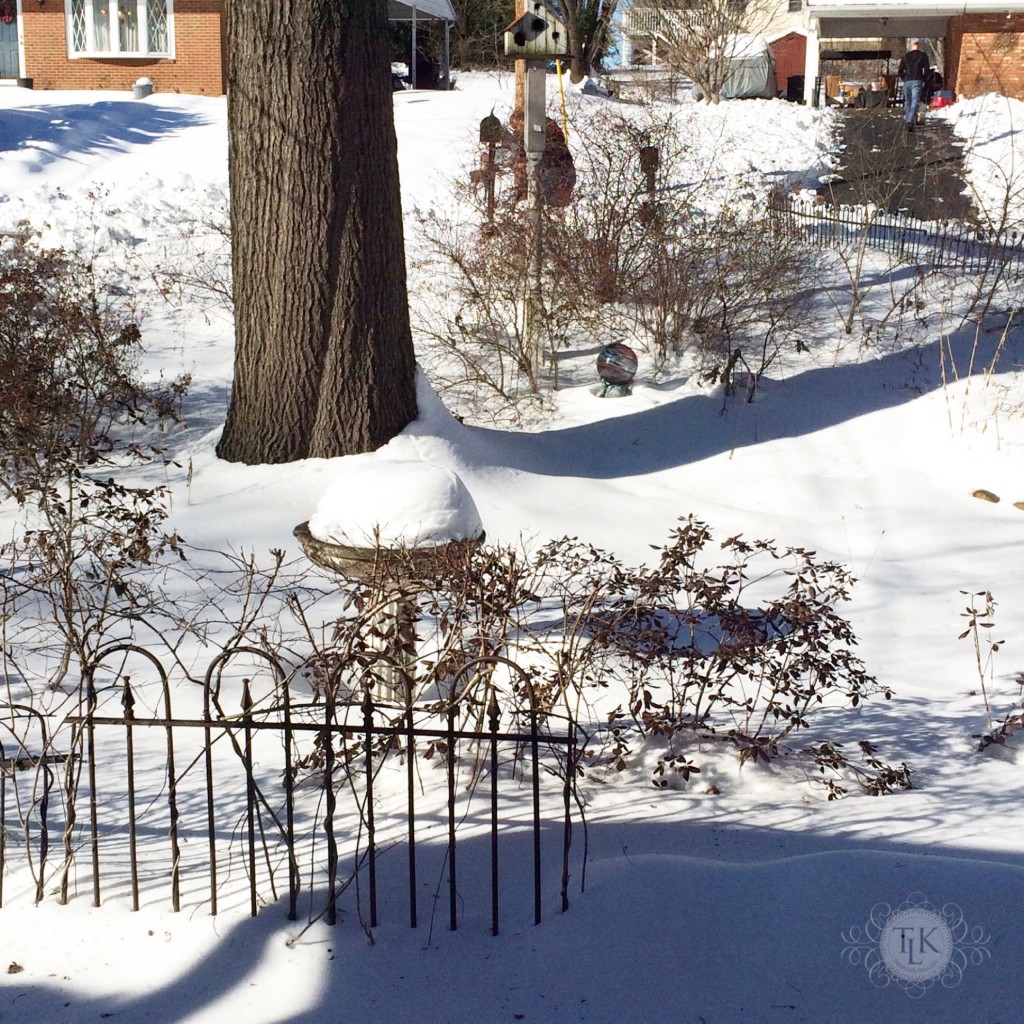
(741,893)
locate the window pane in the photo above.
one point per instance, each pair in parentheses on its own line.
(101,25)
(128,26)
(78,38)
(113,27)
(156,14)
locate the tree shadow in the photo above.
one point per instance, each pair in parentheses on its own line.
(702,919)
(63,132)
(698,427)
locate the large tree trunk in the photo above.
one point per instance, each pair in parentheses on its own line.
(578,69)
(324,362)
(587,23)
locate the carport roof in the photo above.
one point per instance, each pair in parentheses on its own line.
(843,18)
(428,10)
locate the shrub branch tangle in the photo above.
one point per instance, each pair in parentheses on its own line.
(69,380)
(668,657)
(76,416)
(637,253)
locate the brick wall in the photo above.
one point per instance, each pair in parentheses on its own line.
(985,53)
(198,65)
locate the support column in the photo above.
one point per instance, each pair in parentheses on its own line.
(412,64)
(812,63)
(448,54)
(534,133)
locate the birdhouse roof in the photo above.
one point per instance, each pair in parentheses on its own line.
(536,11)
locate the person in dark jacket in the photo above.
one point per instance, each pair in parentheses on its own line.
(915,69)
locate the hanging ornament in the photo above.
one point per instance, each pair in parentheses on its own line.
(7,12)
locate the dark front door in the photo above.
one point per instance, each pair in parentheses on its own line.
(9,39)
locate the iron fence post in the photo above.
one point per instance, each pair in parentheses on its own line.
(371,837)
(410,768)
(289,796)
(128,703)
(453,919)
(250,793)
(330,798)
(494,716)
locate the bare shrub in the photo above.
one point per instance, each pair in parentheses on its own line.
(194,269)
(980,615)
(77,415)
(679,654)
(709,651)
(740,288)
(70,387)
(628,166)
(737,658)
(636,254)
(476,321)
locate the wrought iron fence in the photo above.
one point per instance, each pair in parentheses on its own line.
(300,792)
(935,244)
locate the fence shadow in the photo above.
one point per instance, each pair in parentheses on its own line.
(928,244)
(668,931)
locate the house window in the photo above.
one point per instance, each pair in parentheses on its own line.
(119,28)
(796,5)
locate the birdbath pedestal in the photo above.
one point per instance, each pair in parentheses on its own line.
(404,568)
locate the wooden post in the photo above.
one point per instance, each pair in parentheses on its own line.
(520,100)
(534,38)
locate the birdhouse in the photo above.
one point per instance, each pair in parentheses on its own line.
(490,129)
(536,35)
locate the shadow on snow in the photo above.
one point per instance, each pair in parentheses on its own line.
(62,132)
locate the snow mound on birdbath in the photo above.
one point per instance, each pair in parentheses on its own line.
(396,504)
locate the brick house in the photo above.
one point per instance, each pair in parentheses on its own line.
(978,44)
(108,44)
(986,53)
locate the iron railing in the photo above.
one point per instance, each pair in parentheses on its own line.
(945,245)
(287,786)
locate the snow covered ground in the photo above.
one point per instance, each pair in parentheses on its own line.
(759,902)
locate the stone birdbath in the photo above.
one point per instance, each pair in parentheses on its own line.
(393,521)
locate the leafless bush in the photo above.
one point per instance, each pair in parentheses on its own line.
(980,615)
(636,254)
(194,269)
(81,561)
(70,388)
(627,196)
(709,649)
(478,355)
(679,654)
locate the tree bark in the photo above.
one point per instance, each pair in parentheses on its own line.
(587,23)
(578,69)
(324,362)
